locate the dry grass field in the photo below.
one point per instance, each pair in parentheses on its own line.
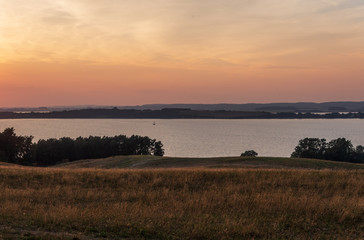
(190,203)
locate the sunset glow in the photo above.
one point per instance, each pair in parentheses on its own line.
(110,52)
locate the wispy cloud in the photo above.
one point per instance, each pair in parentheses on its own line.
(340,5)
(178,33)
(57,17)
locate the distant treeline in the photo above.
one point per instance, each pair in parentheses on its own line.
(339,149)
(266,107)
(21,149)
(173,113)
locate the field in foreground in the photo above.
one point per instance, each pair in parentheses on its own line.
(192,203)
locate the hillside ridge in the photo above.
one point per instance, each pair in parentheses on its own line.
(152,162)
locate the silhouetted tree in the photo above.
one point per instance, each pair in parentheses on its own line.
(15,149)
(158,149)
(359,154)
(340,149)
(310,148)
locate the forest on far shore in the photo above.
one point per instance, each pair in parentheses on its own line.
(176,113)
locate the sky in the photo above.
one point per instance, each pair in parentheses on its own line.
(131,52)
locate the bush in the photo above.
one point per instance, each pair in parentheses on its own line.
(249,153)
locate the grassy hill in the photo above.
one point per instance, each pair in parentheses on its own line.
(148,197)
(189,203)
(142,162)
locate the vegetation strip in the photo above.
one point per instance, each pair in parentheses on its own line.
(185,204)
(21,149)
(153,162)
(178,113)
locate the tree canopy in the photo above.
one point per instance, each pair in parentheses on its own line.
(13,148)
(21,149)
(339,149)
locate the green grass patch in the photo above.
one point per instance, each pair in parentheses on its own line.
(141,162)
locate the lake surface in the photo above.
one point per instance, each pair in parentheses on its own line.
(200,137)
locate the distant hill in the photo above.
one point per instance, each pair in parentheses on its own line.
(266,107)
(166,113)
(174,113)
(153,162)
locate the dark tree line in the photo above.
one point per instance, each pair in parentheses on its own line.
(21,149)
(339,149)
(167,113)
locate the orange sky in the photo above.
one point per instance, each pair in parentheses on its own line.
(110,52)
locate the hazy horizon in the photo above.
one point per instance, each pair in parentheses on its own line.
(79,106)
(158,103)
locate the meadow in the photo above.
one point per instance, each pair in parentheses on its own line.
(181,203)
(152,162)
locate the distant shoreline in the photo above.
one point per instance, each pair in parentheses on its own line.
(323,107)
(175,113)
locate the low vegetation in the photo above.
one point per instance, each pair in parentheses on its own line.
(46,203)
(339,149)
(249,153)
(149,162)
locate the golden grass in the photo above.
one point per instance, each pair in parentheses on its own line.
(182,203)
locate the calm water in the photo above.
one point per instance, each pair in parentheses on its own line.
(200,138)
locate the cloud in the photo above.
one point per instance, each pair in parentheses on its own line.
(179,33)
(57,17)
(340,5)
(216,62)
(285,67)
